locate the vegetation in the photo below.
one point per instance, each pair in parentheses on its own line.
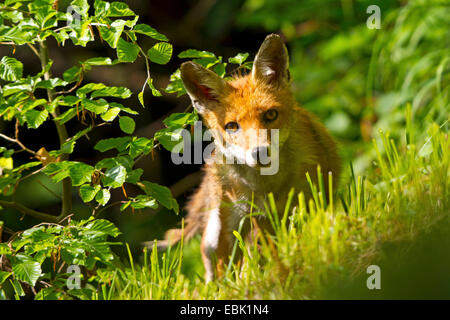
(385,94)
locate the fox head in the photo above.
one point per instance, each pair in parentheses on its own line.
(248,115)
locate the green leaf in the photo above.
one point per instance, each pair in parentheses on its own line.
(125,205)
(80,173)
(10,69)
(160,193)
(220,69)
(26,269)
(140,202)
(155,92)
(176,120)
(72,74)
(119,9)
(37,234)
(20,34)
(144,201)
(127,51)
(35,118)
(56,167)
(134,176)
(111,114)
(112,33)
(192,53)
(113,143)
(67,147)
(208,62)
(140,146)
(66,116)
(122,108)
(84,90)
(239,58)
(169,138)
(7,153)
(14,16)
(6,163)
(115,176)
(32,104)
(141,98)
(81,33)
(60,36)
(103,226)
(51,83)
(160,53)
(98,61)
(17,288)
(4,275)
(88,192)
(96,106)
(20,89)
(68,100)
(127,124)
(27,166)
(103,196)
(107,163)
(176,84)
(101,8)
(117,92)
(248,65)
(4,249)
(150,32)
(49,293)
(82,7)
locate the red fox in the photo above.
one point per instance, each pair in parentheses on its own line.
(260,100)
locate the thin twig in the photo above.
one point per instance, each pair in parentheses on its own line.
(91,24)
(74,87)
(29,175)
(60,267)
(16,133)
(33,49)
(97,213)
(147,64)
(17,142)
(65,218)
(50,191)
(28,211)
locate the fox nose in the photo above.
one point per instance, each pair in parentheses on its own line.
(261,154)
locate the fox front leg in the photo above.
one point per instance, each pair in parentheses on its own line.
(210,242)
(215,246)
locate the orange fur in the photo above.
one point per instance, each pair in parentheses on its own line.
(223,196)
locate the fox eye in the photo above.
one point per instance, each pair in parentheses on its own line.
(232,127)
(270,115)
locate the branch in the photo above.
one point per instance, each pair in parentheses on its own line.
(17,142)
(33,49)
(97,213)
(62,134)
(30,212)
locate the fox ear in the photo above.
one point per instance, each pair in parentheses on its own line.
(272,61)
(203,86)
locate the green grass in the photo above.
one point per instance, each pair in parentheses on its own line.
(387,218)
